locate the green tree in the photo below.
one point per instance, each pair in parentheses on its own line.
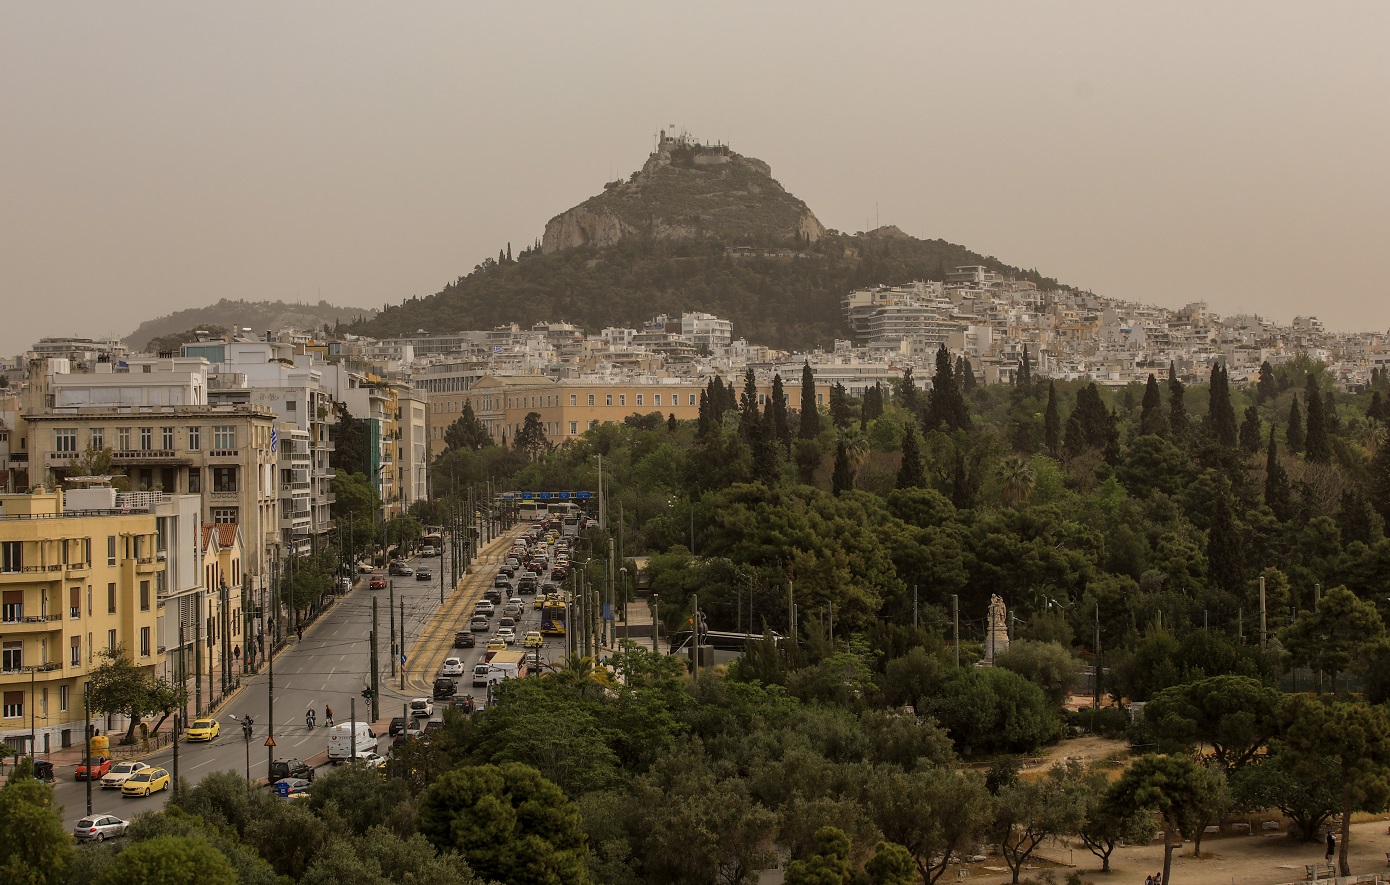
(1250,431)
(289,838)
(1025,369)
(1106,823)
(1180,790)
(993,710)
(1221,415)
(892,864)
(1225,547)
(1308,802)
(1317,449)
(781,430)
(169,860)
(508,822)
(749,420)
(1177,409)
(808,426)
(829,866)
(118,686)
(1151,418)
(530,439)
(1029,812)
(842,477)
(840,411)
(911,474)
(1048,665)
(350,448)
(1278,495)
(1335,635)
(1355,737)
(1379,485)
(907,395)
(1266,389)
(1293,432)
(35,849)
(359,799)
(467,433)
(945,404)
(1052,423)
(1236,715)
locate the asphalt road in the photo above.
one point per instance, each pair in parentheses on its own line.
(328,667)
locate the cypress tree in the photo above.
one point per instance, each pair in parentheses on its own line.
(708,422)
(1329,410)
(1379,485)
(1075,442)
(1376,408)
(1225,550)
(840,412)
(1151,410)
(945,404)
(907,394)
(749,420)
(777,406)
(1052,423)
(1266,389)
(766,461)
(841,478)
(1277,494)
(1025,369)
(1294,433)
(1316,448)
(1357,519)
(911,475)
(1250,430)
(967,377)
(671,423)
(809,425)
(1221,416)
(1177,409)
(873,403)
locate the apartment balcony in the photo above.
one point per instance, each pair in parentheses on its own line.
(77,569)
(148,565)
(148,456)
(17,622)
(223,495)
(224,454)
(42,672)
(30,574)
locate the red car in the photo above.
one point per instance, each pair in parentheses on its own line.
(100,767)
(378,583)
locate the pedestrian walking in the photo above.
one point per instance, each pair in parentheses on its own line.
(1149,880)
(299,633)
(1331,845)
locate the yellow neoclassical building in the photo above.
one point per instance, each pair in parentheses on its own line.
(74,581)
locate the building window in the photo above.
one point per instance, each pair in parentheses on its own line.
(98,438)
(65,440)
(144,596)
(591,399)
(574,428)
(820,399)
(224,515)
(111,598)
(144,642)
(123,439)
(656,399)
(195,438)
(693,401)
(110,640)
(13,607)
(63,693)
(75,651)
(224,437)
(11,556)
(14,705)
(574,399)
(12,657)
(622,399)
(75,602)
(224,479)
(195,481)
(291,405)
(593,422)
(146,438)
(608,399)
(168,439)
(639,399)
(110,549)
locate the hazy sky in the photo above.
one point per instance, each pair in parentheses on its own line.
(157,156)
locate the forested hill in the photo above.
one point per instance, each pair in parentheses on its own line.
(784,296)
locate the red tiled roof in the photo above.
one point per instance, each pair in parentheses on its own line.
(226,533)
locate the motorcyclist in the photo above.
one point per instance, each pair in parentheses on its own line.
(309,718)
(246,725)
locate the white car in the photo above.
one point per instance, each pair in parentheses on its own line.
(371,760)
(514,608)
(422,708)
(484,607)
(507,635)
(452,667)
(121,773)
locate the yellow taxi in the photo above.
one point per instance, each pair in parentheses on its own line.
(533,639)
(493,647)
(203,730)
(143,783)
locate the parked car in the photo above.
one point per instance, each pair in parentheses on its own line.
(433,725)
(370,759)
(464,639)
(203,730)
(421,708)
(119,773)
(423,574)
(283,768)
(293,788)
(400,570)
(444,688)
(99,767)
(99,828)
(377,583)
(145,782)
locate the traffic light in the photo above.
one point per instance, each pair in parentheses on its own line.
(367,693)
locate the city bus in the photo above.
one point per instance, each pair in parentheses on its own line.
(432,544)
(553,618)
(531,511)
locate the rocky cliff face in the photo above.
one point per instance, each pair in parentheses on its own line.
(687,190)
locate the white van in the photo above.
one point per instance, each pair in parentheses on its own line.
(342,736)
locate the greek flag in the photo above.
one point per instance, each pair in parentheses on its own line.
(274,437)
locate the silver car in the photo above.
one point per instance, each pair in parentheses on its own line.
(100,827)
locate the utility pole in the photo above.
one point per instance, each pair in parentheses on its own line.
(183,667)
(87,746)
(174,783)
(656,621)
(1097,655)
(375,669)
(955,620)
(198,654)
(391,611)
(270,703)
(352,726)
(914,606)
(695,637)
(609,623)
(791,608)
(402,643)
(1263,634)
(832,625)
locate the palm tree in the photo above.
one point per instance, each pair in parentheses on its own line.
(1016,480)
(583,673)
(856,447)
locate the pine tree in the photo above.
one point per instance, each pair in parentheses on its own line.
(842,477)
(1266,388)
(1316,448)
(1221,416)
(1052,423)
(1177,409)
(911,475)
(749,421)
(1357,520)
(840,412)
(1151,421)
(1294,433)
(1277,493)
(809,424)
(1025,369)
(1250,430)
(777,405)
